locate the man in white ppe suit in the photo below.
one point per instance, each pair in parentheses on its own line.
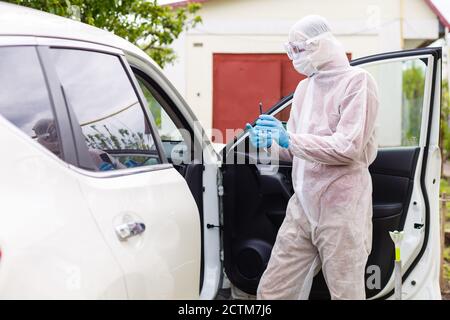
(331,141)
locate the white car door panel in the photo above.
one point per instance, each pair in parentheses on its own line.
(405,177)
(142,205)
(190,151)
(420,250)
(163,262)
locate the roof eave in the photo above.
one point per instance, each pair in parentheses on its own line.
(438,13)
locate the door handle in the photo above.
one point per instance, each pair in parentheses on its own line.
(129,229)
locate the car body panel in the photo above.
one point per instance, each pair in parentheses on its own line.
(51,246)
(164,261)
(212,264)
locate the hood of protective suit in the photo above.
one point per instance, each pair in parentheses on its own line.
(47,135)
(323,53)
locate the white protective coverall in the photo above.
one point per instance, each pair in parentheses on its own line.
(328,221)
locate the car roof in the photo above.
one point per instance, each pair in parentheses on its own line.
(21,21)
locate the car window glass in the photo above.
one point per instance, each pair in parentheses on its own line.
(24,98)
(167,129)
(107,108)
(401,87)
(175,147)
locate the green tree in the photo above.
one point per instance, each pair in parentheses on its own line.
(444,142)
(142,22)
(413,90)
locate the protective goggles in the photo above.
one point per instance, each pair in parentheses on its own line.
(294,49)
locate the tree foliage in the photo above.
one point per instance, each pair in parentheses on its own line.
(413,90)
(142,22)
(445,120)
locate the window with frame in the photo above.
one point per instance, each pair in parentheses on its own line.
(401,88)
(24,97)
(176,140)
(115,127)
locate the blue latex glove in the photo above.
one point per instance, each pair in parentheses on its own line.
(105,166)
(259,138)
(275,126)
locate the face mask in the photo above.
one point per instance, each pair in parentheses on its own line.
(304,66)
(301,54)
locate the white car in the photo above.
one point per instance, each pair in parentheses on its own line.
(98,202)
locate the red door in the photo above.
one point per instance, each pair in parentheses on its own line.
(241,81)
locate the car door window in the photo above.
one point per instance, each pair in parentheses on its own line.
(174,137)
(401,98)
(167,129)
(107,108)
(24,98)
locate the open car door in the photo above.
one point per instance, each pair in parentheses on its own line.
(405,177)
